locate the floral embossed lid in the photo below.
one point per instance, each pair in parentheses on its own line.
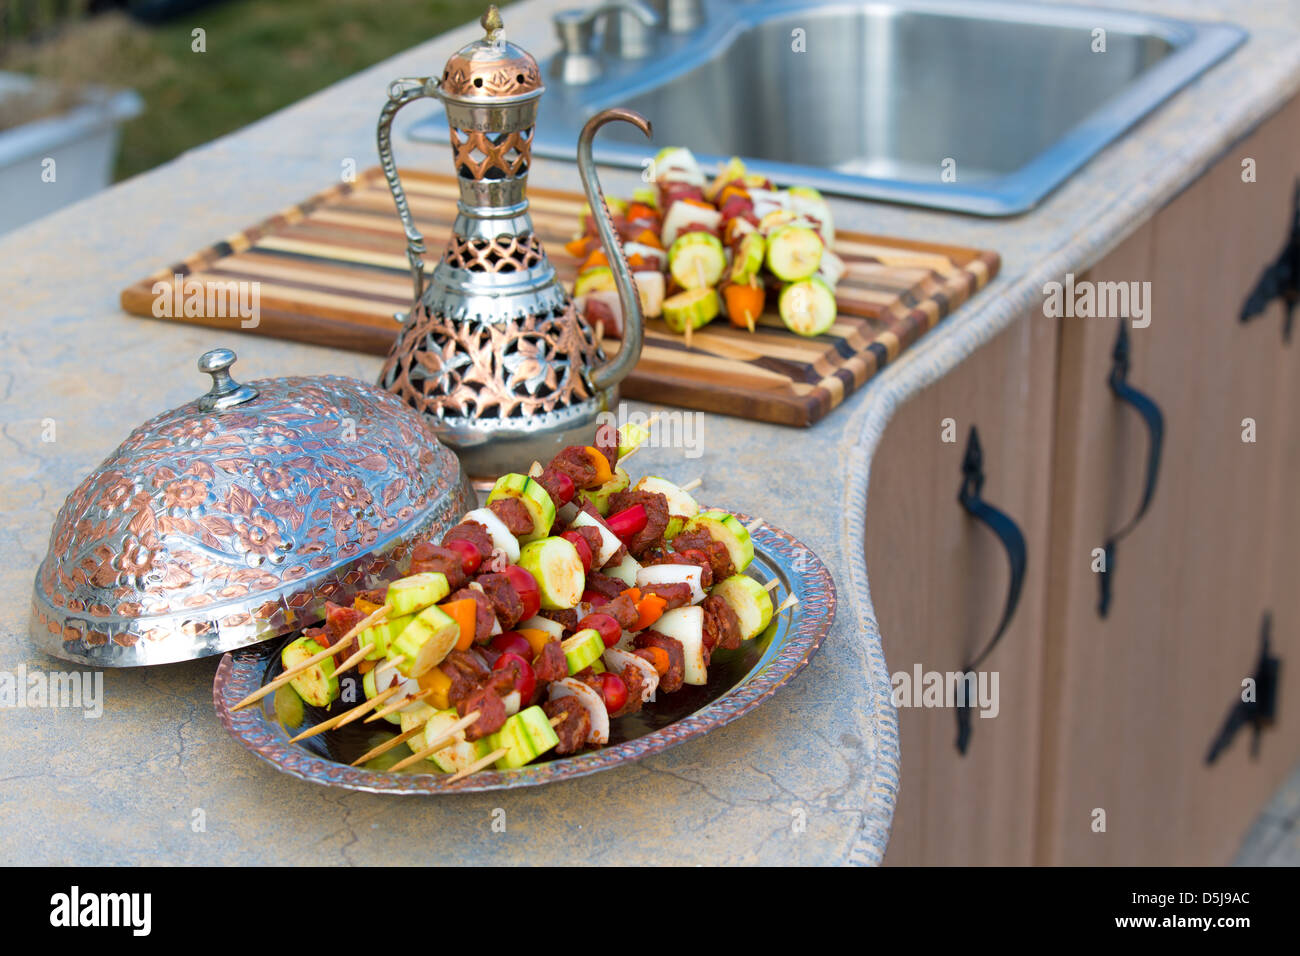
(491,69)
(232,519)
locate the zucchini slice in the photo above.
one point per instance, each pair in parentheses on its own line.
(581,695)
(794,252)
(534,497)
(631,436)
(554,562)
(317,685)
(808,308)
(749,258)
(724,528)
(696,260)
(458,754)
(498,532)
(527,735)
(750,600)
(583,649)
(694,307)
(686,625)
(383,634)
(415,592)
(599,496)
(424,642)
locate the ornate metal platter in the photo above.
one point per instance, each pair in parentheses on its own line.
(738,682)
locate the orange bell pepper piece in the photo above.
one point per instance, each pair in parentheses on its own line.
(581,247)
(594,261)
(659,658)
(537,638)
(745,302)
(438,684)
(633,593)
(465,614)
(600,463)
(649,609)
(648,237)
(639,210)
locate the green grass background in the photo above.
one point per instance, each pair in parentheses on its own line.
(261,55)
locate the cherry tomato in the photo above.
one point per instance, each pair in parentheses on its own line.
(565,489)
(628,522)
(696,556)
(526,587)
(525,679)
(580,545)
(512,642)
(614,689)
(470,558)
(609,629)
(593,597)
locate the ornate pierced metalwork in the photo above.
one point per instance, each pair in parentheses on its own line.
(503,253)
(209,529)
(493,349)
(481,155)
(526,366)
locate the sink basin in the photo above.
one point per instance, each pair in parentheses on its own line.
(980,107)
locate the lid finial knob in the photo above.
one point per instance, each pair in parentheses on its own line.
(225,392)
(492,23)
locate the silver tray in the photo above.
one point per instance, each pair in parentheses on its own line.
(739,681)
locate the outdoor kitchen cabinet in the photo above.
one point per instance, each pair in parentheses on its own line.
(1137,697)
(939,582)
(1109,714)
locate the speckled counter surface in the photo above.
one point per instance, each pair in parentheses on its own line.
(807,778)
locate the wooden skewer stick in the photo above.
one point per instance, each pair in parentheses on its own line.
(749,320)
(692,485)
(788,603)
(388,745)
(648,425)
(771,585)
(754,525)
(478,765)
(495,755)
(535,470)
(354,660)
(374,616)
(688,330)
(394,708)
(348,715)
(441,742)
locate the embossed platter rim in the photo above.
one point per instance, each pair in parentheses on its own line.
(798,633)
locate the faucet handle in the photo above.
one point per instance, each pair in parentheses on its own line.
(576,28)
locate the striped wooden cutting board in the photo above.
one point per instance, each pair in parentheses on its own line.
(332,271)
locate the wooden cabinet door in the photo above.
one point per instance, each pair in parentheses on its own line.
(939,582)
(1135,699)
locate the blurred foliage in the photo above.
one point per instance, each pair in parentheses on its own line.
(261,55)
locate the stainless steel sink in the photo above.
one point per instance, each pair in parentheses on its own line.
(1009,97)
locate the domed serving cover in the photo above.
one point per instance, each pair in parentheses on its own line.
(231,519)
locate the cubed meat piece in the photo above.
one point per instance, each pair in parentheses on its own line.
(656,509)
(505,599)
(574,728)
(549,664)
(491,711)
(673,678)
(514,515)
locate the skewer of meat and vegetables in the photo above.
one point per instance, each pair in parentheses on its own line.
(564,618)
(702,248)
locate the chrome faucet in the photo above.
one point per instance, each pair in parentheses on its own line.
(631,32)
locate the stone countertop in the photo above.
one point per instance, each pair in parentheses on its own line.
(810,777)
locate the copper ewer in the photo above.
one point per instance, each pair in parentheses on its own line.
(493,351)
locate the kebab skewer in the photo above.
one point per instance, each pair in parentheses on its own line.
(507,535)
